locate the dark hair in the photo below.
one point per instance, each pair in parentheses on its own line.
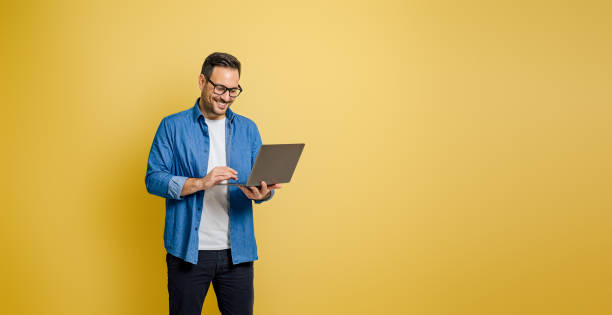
(219,59)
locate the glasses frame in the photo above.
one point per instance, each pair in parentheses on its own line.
(239,88)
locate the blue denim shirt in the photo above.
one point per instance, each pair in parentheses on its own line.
(179,151)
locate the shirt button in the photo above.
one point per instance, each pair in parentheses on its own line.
(199,208)
(196,229)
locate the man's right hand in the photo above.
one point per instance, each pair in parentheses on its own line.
(214,177)
(217,175)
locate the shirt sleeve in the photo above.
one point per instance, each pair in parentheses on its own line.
(159,180)
(175,186)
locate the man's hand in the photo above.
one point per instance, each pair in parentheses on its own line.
(214,177)
(217,175)
(259,194)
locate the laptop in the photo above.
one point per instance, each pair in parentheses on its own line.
(274,164)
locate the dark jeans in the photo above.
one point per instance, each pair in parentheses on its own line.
(188,283)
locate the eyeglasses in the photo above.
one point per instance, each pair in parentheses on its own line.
(220,89)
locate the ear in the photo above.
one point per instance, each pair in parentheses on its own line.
(201,81)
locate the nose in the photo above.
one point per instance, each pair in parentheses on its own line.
(226,97)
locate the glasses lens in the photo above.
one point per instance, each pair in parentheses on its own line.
(234,92)
(219,89)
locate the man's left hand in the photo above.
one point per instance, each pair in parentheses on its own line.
(262,193)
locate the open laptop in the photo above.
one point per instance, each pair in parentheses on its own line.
(274,164)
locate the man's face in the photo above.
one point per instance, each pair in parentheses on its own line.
(214,106)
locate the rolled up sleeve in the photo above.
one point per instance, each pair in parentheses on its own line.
(159,180)
(175,186)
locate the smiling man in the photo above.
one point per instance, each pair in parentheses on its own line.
(208,234)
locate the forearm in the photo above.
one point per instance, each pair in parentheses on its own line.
(192,185)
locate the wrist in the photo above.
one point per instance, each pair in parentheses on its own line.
(266,196)
(201,184)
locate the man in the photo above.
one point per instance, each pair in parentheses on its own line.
(208,234)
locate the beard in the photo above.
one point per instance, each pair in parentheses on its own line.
(213,107)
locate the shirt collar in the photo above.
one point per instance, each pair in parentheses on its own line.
(229,114)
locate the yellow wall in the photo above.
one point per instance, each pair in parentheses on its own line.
(458,156)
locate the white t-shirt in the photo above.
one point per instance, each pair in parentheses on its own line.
(214,225)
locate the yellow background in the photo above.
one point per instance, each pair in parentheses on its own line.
(458,156)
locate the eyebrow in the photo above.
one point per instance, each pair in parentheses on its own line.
(223,85)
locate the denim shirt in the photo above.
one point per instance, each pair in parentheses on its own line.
(179,151)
